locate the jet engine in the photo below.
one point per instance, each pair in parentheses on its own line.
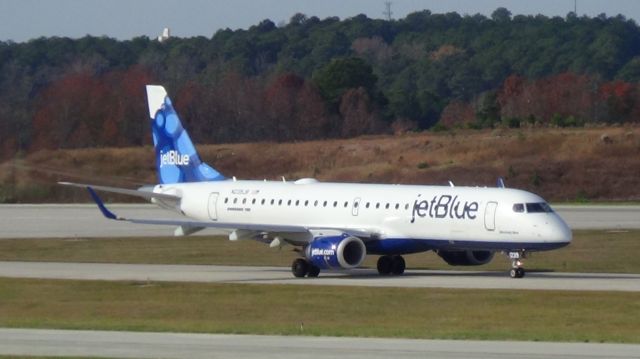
(466,258)
(335,252)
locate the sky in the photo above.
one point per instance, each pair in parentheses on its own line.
(21,20)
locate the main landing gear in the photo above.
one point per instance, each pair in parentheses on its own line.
(516,264)
(391,265)
(302,267)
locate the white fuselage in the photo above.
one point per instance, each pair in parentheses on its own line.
(444,217)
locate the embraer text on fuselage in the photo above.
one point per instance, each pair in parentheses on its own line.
(173,157)
(444,206)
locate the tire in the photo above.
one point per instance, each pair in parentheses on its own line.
(300,268)
(384,265)
(398,265)
(513,273)
(314,271)
(520,272)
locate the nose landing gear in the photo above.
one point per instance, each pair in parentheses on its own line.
(516,264)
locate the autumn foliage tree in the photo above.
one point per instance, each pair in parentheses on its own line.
(295,109)
(582,97)
(83,110)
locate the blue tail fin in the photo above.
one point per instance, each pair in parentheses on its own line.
(176,158)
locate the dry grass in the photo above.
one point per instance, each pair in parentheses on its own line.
(559,164)
(326,310)
(591,251)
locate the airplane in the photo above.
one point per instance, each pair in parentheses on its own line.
(334,226)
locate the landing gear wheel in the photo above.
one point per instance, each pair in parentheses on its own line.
(516,272)
(397,265)
(519,272)
(314,271)
(516,264)
(385,265)
(300,267)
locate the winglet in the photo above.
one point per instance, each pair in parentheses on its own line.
(107,213)
(501,182)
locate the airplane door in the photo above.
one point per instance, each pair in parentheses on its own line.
(356,205)
(213,200)
(490,216)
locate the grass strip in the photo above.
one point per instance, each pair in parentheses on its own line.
(590,251)
(314,310)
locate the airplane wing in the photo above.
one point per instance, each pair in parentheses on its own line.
(190,226)
(185,223)
(130,192)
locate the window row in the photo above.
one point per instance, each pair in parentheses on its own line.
(307,203)
(280,202)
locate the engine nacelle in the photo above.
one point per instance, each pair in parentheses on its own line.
(336,252)
(466,258)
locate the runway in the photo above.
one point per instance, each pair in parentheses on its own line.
(600,216)
(85,221)
(358,277)
(79,221)
(180,345)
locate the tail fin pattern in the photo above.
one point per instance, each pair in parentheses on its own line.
(177,160)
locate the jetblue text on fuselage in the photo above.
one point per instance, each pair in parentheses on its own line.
(444,206)
(173,157)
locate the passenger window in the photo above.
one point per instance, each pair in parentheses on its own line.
(397,205)
(306,203)
(406,206)
(335,204)
(253,201)
(226,200)
(518,208)
(387,206)
(377,205)
(273,201)
(315,204)
(324,204)
(297,202)
(235,200)
(289,203)
(367,205)
(244,201)
(279,202)
(346,204)
(262,202)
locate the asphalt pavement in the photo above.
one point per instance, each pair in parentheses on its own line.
(110,344)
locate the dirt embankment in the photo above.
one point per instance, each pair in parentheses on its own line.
(593,164)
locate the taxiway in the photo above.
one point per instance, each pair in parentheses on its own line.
(358,277)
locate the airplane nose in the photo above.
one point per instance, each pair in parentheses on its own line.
(562,232)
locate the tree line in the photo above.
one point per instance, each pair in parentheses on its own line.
(317,78)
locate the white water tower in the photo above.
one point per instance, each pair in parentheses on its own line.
(166,34)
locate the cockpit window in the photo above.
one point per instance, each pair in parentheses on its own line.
(541,207)
(518,208)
